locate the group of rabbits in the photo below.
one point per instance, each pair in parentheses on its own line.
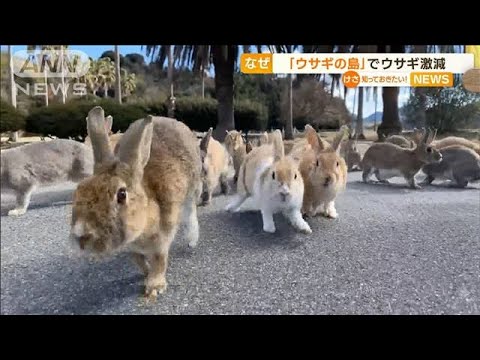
(453,158)
(136,188)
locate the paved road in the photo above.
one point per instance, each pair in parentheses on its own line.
(391,251)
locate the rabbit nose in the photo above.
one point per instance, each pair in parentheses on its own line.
(82,240)
(328,180)
(284,190)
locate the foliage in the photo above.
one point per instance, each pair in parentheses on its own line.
(199,114)
(447,109)
(10,118)
(312,105)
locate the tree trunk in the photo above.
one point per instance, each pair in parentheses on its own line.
(359,126)
(13,87)
(203,82)
(390,119)
(224,61)
(46,86)
(62,69)
(421,115)
(171,103)
(289,120)
(118,77)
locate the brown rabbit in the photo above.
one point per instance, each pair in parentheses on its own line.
(214,166)
(400,141)
(324,173)
(349,152)
(135,198)
(455,140)
(237,150)
(387,160)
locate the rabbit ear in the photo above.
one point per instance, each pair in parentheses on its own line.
(248,147)
(339,137)
(312,138)
(426,134)
(108,124)
(206,140)
(433,135)
(98,137)
(134,146)
(278,149)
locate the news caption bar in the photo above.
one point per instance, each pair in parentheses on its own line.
(416,69)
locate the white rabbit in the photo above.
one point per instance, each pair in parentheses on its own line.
(275,183)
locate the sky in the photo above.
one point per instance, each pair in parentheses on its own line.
(95,51)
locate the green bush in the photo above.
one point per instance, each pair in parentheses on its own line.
(69,120)
(250,115)
(199,114)
(10,118)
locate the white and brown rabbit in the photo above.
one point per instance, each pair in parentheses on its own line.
(215,159)
(387,160)
(138,195)
(324,172)
(274,182)
(459,164)
(27,167)
(237,149)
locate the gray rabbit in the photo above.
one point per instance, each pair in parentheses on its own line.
(41,164)
(459,164)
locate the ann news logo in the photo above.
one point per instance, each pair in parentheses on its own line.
(51,64)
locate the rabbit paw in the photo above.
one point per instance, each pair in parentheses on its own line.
(330,211)
(270,228)
(17,212)
(305,228)
(154,287)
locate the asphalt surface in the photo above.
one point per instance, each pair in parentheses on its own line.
(391,251)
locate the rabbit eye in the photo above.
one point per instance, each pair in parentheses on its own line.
(273,175)
(121,195)
(338,164)
(295,177)
(429,149)
(317,163)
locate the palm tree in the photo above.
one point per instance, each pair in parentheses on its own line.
(13,88)
(223,58)
(106,74)
(129,82)
(171,104)
(359,123)
(390,119)
(118,82)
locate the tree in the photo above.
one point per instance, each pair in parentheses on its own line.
(224,58)
(118,77)
(13,88)
(446,109)
(390,119)
(359,124)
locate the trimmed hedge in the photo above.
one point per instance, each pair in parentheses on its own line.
(10,118)
(199,114)
(68,120)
